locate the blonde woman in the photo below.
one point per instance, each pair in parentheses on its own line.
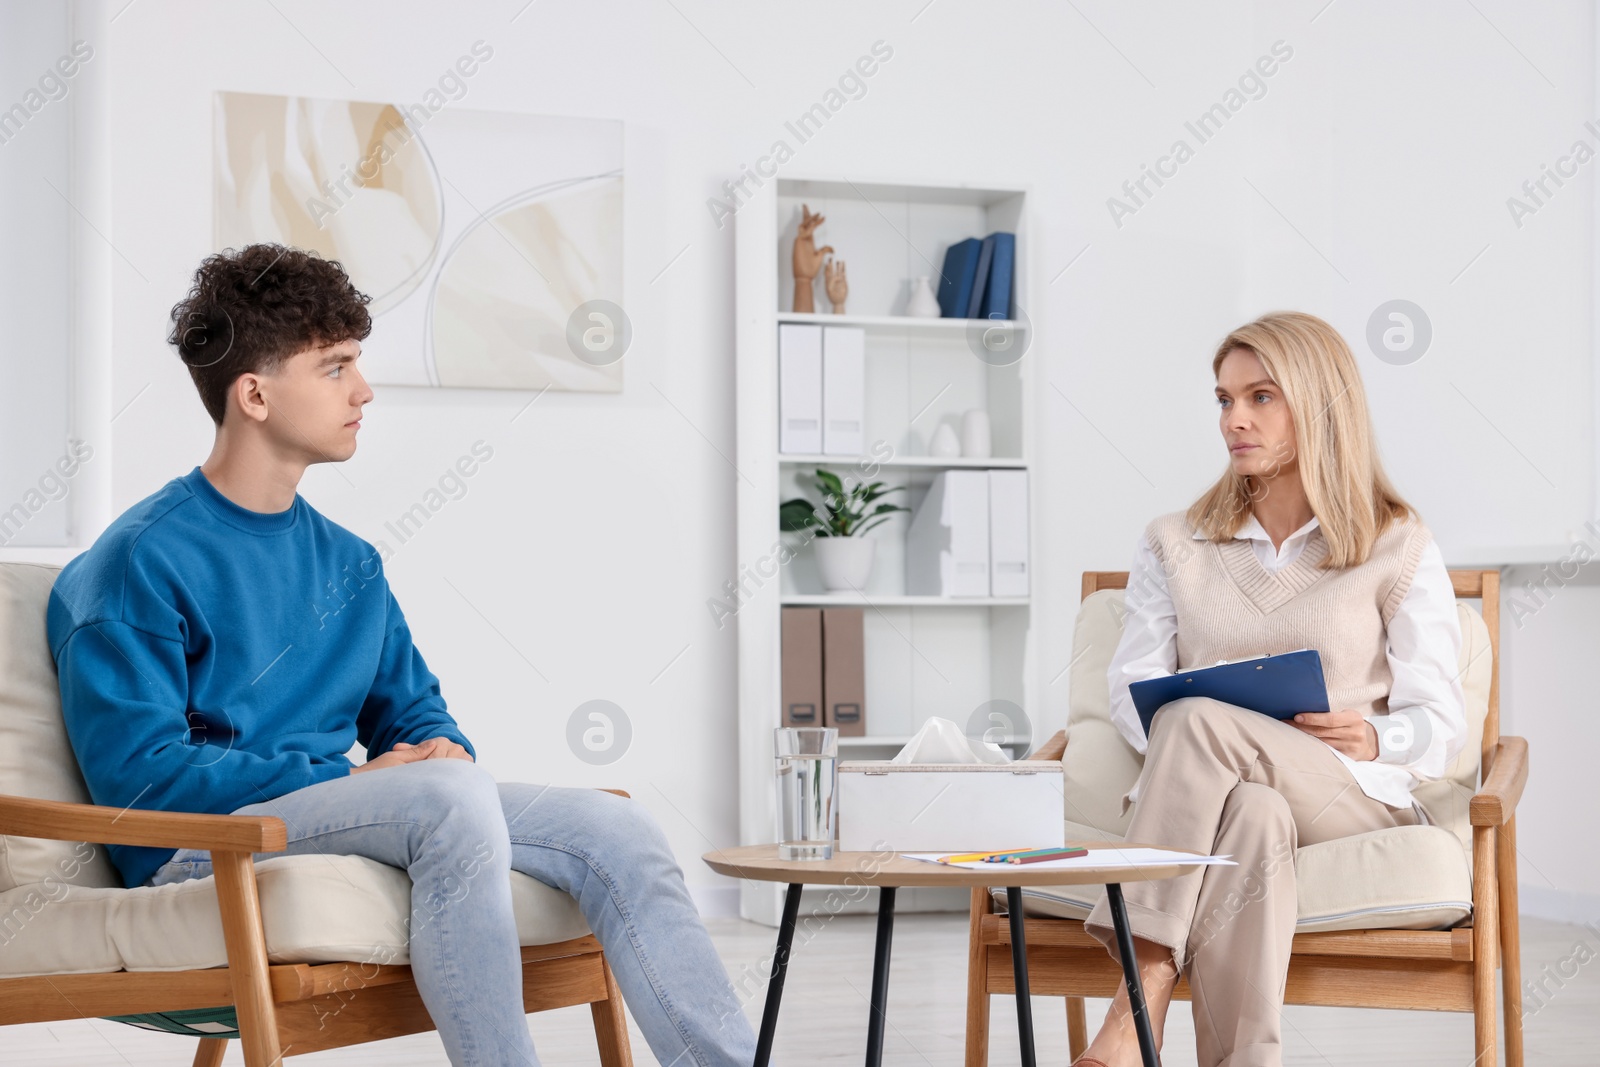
(1302,543)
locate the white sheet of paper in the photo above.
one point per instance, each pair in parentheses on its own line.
(1097,857)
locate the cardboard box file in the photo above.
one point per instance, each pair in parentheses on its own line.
(800,649)
(844,683)
(950,807)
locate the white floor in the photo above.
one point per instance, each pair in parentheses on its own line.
(825,1011)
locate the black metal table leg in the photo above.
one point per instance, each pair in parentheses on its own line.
(780,967)
(1130,971)
(880,976)
(1019,970)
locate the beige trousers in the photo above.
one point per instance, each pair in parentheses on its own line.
(1220,779)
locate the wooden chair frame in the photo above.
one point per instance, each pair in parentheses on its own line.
(283,1009)
(1440,970)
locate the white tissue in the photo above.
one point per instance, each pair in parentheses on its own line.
(941,741)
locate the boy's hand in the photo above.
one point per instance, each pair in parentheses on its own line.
(433,748)
(436,748)
(1346,730)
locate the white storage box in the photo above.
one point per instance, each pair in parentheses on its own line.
(950,807)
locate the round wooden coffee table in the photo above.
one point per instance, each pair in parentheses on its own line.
(889,871)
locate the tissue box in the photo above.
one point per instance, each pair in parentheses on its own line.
(950,807)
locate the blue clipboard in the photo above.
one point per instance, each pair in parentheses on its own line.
(1279,686)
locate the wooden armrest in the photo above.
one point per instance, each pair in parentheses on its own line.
(59,821)
(1496,801)
(1051,749)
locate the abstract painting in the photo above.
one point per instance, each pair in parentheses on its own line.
(485,239)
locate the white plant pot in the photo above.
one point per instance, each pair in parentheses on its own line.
(845,563)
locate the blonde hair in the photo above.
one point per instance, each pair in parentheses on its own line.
(1339,467)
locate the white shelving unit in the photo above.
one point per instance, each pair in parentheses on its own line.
(895,323)
(925,655)
(853,600)
(934,462)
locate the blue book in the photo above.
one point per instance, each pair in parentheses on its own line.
(1280,686)
(997,293)
(985,256)
(956,280)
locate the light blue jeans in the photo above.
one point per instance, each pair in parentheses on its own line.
(458,833)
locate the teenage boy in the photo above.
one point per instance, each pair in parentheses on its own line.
(200,672)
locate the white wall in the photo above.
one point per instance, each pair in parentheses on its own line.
(1548,636)
(1375,166)
(35,137)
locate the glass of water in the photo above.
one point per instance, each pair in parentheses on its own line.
(808,774)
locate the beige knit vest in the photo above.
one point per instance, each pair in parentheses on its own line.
(1230,607)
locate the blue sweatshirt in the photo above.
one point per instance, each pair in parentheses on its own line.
(212,657)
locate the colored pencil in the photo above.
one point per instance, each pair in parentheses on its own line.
(987,857)
(1006,856)
(1040,857)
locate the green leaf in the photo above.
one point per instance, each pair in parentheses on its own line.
(795,516)
(878,489)
(842,511)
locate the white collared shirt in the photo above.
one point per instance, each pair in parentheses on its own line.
(1423,648)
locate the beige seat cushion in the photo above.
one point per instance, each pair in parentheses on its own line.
(36,759)
(62,906)
(315,909)
(1406,877)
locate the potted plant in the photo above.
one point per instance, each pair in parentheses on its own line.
(844,556)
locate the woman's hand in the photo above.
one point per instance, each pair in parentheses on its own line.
(1346,730)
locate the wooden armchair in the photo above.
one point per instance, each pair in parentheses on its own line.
(290,955)
(1424,949)
(280,1009)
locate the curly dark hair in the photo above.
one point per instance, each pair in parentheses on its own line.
(252,308)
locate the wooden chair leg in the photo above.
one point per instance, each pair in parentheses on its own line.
(611,1024)
(246,943)
(1077,1029)
(1510,941)
(1485,946)
(978,982)
(210,1052)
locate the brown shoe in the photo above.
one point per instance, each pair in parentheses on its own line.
(1087,1061)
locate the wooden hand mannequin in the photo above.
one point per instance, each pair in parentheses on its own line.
(837,285)
(807,260)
